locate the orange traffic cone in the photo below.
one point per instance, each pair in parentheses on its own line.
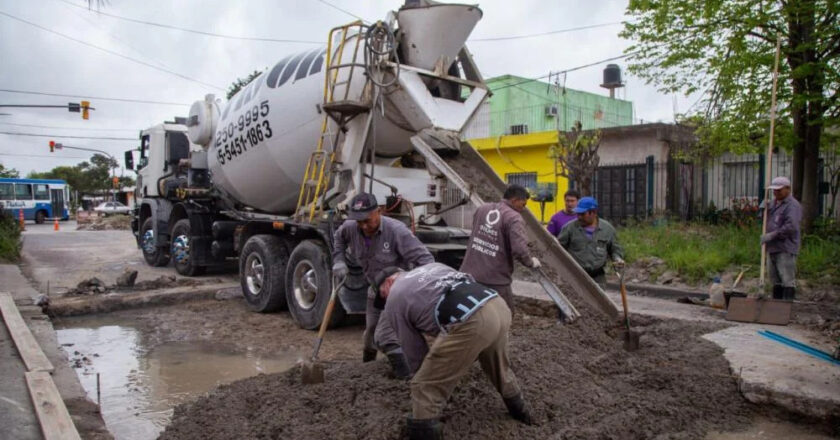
(55,225)
(22,223)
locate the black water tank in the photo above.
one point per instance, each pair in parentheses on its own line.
(612,75)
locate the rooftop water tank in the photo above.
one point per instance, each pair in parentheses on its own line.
(612,76)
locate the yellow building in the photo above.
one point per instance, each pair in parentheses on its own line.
(523,159)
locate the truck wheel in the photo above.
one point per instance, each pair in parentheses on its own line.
(154,255)
(40,216)
(308,286)
(262,264)
(180,250)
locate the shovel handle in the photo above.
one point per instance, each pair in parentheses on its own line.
(326,320)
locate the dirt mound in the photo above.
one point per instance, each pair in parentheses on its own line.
(111,222)
(579,381)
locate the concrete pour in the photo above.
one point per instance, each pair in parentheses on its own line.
(768,372)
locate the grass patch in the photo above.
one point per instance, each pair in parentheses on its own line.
(9,239)
(698,251)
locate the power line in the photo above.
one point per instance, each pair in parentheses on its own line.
(108,51)
(572,69)
(12,133)
(342,10)
(69,128)
(209,34)
(44,155)
(559,31)
(140,101)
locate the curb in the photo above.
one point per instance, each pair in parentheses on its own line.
(658,291)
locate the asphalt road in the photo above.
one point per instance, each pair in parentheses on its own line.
(67,256)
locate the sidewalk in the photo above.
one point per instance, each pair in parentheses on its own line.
(768,372)
(16,410)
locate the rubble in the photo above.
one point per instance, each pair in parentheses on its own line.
(112,222)
(127,279)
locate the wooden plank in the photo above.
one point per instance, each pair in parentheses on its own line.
(53,416)
(30,351)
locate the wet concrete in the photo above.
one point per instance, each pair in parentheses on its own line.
(140,382)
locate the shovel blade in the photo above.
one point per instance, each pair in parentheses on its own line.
(631,340)
(311,373)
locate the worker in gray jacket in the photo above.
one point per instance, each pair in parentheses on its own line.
(470,322)
(375,242)
(591,241)
(498,236)
(782,239)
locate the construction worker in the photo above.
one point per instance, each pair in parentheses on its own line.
(470,322)
(375,242)
(591,241)
(782,238)
(498,236)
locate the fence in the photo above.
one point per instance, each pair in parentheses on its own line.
(640,190)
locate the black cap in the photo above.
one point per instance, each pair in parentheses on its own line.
(361,206)
(378,279)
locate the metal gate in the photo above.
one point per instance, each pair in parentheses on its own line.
(621,191)
(57,199)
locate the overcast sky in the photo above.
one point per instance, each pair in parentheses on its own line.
(34,59)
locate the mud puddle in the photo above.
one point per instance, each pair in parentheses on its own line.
(140,383)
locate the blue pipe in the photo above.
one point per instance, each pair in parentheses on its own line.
(807,349)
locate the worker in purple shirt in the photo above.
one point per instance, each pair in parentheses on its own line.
(564,216)
(782,239)
(374,242)
(469,322)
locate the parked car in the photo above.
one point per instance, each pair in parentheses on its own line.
(112,208)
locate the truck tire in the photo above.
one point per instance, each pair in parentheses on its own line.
(40,216)
(262,264)
(153,255)
(308,286)
(179,248)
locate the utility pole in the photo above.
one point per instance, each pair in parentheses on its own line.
(58,146)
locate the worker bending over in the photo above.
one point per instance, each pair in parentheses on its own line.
(375,242)
(469,320)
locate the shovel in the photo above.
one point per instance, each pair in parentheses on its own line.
(311,371)
(631,338)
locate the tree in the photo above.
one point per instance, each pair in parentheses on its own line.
(726,50)
(240,83)
(576,155)
(86,178)
(8,172)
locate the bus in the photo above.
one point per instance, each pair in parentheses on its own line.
(39,199)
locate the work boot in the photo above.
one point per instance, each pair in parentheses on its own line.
(518,409)
(778,292)
(788,293)
(368,355)
(399,365)
(424,429)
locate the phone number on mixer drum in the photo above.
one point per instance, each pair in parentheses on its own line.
(251,129)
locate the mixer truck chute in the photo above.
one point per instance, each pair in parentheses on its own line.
(265,178)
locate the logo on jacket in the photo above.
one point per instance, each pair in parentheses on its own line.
(490,220)
(386,247)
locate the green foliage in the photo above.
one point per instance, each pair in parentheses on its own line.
(699,251)
(9,238)
(86,178)
(240,83)
(8,172)
(577,156)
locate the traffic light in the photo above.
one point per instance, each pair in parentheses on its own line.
(85,109)
(52,146)
(116,181)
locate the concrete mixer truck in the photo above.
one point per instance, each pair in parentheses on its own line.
(266,177)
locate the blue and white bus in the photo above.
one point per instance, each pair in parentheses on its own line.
(39,199)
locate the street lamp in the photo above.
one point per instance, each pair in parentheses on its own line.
(58,146)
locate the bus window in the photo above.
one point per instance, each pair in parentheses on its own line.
(23,191)
(42,192)
(7,191)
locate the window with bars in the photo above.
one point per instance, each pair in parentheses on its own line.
(526,180)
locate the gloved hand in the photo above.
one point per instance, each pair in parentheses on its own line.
(535,263)
(619,263)
(768,237)
(339,270)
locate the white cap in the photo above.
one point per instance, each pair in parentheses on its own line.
(780,182)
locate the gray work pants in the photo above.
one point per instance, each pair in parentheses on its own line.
(378,335)
(483,336)
(783,269)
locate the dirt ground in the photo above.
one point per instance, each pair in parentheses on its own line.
(578,379)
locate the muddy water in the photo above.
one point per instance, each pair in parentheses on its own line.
(140,384)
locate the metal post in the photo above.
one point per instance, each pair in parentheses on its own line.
(650,183)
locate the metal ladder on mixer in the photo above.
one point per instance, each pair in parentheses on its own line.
(338,107)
